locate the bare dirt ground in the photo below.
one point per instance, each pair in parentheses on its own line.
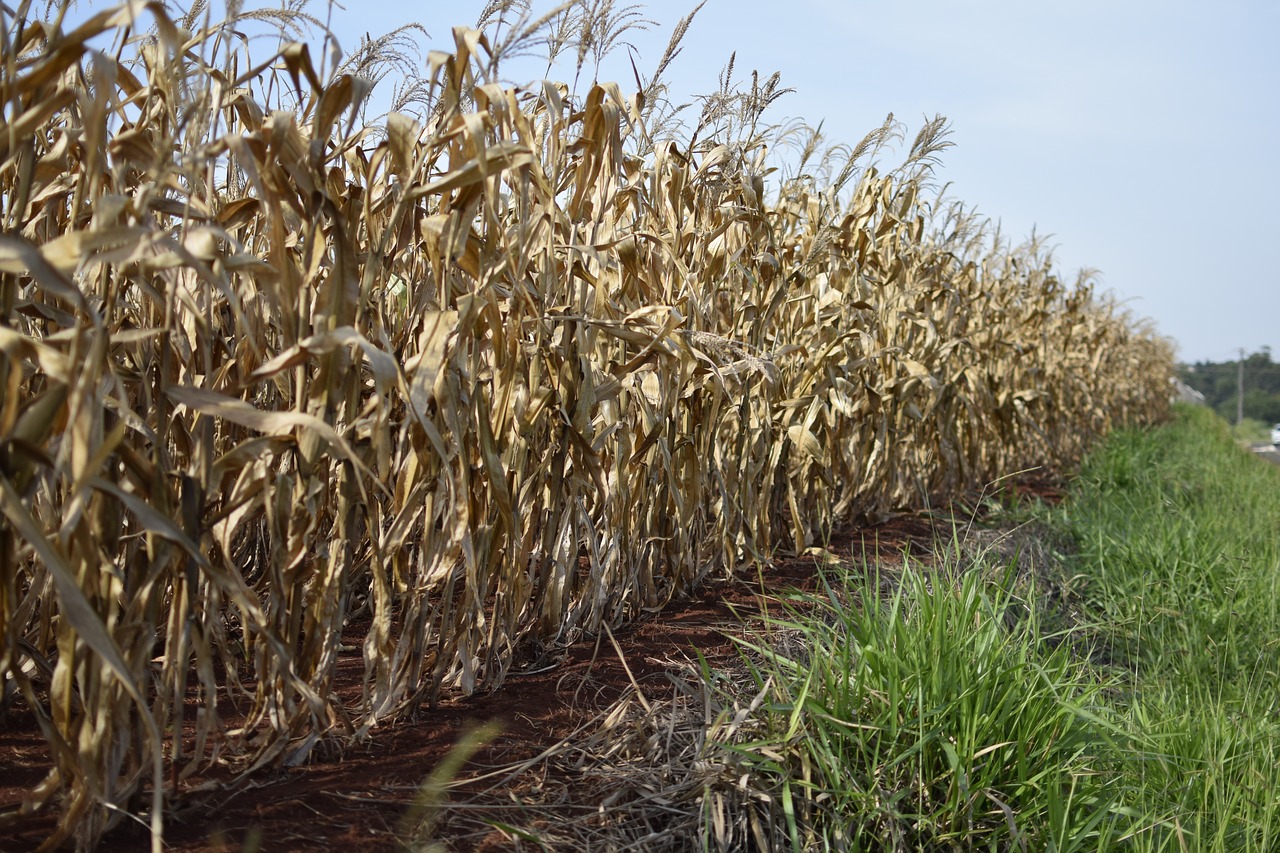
(357,797)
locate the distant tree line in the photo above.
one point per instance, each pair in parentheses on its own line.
(1217,381)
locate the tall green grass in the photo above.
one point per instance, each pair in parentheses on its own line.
(944,714)
(930,719)
(1179,546)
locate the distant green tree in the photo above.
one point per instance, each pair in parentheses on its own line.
(1217,381)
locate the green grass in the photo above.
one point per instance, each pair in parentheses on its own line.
(1178,531)
(945,715)
(1252,431)
(932,718)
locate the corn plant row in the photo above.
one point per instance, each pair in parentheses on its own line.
(453,388)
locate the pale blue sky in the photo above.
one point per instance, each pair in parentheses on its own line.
(1141,134)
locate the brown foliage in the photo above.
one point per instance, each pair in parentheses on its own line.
(497,376)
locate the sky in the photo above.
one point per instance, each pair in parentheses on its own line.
(1138,135)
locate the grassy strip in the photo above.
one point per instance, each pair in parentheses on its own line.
(1178,535)
(944,714)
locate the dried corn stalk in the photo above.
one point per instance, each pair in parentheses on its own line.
(471,385)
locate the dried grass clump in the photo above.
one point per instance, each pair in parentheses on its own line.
(647,774)
(511,371)
(673,775)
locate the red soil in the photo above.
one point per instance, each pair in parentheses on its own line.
(355,797)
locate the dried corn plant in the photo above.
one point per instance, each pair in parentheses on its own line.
(458,386)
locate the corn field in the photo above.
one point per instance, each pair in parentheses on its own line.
(468,384)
